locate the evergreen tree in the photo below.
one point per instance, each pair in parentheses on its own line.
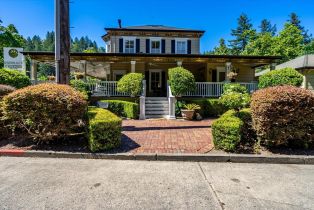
(222,49)
(242,34)
(48,42)
(295,20)
(267,27)
(263,45)
(289,43)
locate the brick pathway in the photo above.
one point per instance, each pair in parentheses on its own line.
(166,136)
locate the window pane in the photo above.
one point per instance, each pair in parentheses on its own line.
(181,47)
(155,47)
(129,46)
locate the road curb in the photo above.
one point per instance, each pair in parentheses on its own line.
(234,158)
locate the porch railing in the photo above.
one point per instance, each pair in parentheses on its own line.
(105,88)
(215,89)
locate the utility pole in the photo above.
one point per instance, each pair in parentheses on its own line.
(62,41)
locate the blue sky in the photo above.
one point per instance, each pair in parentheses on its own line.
(90,17)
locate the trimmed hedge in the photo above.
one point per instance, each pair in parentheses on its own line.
(227,131)
(131,83)
(14,78)
(5,90)
(123,108)
(233,128)
(286,76)
(181,81)
(210,107)
(104,129)
(81,86)
(284,115)
(45,111)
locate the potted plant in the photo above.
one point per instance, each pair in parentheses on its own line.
(189,111)
(232,76)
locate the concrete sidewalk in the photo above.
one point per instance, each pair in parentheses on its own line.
(34,183)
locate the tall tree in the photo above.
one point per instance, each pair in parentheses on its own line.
(49,42)
(222,49)
(289,42)
(295,20)
(262,45)
(309,48)
(242,34)
(267,27)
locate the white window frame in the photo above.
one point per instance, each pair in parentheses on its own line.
(108,47)
(154,39)
(186,45)
(118,72)
(150,77)
(125,39)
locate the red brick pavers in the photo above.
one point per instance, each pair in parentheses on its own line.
(167,136)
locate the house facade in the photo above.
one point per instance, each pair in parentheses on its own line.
(152,50)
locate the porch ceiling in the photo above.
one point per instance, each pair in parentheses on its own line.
(252,61)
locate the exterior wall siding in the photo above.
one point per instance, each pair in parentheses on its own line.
(310,80)
(195,44)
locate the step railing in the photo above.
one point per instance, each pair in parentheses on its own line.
(215,89)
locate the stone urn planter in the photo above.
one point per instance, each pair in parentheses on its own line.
(187,114)
(189,111)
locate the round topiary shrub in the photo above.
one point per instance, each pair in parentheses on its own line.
(286,76)
(5,89)
(181,81)
(235,100)
(14,78)
(45,111)
(284,115)
(131,83)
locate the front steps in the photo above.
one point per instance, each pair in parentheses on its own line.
(156,107)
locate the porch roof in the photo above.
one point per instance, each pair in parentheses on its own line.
(253,61)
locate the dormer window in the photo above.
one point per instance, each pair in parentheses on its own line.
(129,45)
(155,44)
(181,46)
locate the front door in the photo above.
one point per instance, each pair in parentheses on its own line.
(155,83)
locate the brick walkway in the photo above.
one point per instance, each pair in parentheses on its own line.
(166,136)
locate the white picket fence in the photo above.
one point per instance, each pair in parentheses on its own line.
(215,89)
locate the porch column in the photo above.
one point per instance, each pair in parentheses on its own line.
(83,68)
(228,70)
(304,84)
(273,66)
(133,66)
(179,63)
(34,71)
(208,73)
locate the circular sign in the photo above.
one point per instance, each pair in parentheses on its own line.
(13,53)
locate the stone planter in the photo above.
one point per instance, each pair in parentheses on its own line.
(187,114)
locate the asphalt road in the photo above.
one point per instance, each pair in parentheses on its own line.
(33,183)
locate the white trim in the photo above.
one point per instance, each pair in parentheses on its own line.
(220,69)
(129,38)
(155,39)
(118,72)
(181,40)
(150,78)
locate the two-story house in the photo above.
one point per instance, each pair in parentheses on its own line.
(152,50)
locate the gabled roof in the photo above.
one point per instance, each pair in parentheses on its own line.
(154,28)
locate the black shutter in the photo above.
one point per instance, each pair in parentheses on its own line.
(214,75)
(121,45)
(163,46)
(138,46)
(173,46)
(147,45)
(189,47)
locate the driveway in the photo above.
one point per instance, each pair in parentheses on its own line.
(167,136)
(31,183)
